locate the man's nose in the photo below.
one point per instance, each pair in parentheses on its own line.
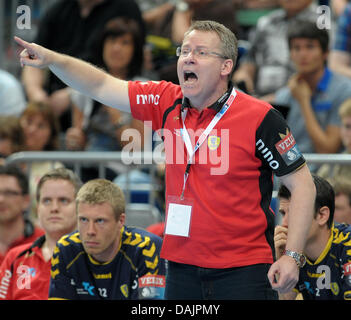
(91,229)
(190,58)
(54,206)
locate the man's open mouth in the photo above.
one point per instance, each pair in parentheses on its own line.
(189,77)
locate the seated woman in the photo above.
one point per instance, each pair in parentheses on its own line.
(11,137)
(95,126)
(41,133)
(119,50)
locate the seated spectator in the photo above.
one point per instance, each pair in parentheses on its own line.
(330,170)
(70,27)
(40,128)
(11,137)
(342,188)
(119,50)
(314,93)
(15,227)
(25,271)
(327,249)
(118,256)
(97,127)
(266,67)
(41,133)
(12,99)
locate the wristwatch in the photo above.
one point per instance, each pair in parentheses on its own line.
(299,258)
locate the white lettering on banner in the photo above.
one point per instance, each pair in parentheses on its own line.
(148,99)
(267,154)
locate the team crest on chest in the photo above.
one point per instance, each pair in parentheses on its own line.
(334,288)
(213,142)
(124,290)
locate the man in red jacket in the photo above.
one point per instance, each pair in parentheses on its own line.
(222,148)
(25,271)
(15,228)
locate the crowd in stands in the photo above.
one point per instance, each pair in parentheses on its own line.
(284,58)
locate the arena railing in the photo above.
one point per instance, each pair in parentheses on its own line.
(139,214)
(135,160)
(121,161)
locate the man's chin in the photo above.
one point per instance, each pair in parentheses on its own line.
(188,91)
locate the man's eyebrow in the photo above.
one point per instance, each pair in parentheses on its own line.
(197,47)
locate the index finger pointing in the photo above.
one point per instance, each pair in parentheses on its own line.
(22,43)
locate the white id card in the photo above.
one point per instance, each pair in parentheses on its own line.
(178,219)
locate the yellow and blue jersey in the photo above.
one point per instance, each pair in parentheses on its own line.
(76,275)
(329,277)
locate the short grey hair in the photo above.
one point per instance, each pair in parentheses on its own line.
(228,39)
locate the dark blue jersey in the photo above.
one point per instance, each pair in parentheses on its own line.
(76,275)
(329,277)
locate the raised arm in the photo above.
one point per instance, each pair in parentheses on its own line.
(78,74)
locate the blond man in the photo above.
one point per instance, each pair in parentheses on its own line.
(106,259)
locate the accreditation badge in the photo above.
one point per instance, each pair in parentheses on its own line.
(178,216)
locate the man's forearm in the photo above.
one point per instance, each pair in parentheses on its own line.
(90,80)
(76,73)
(301,209)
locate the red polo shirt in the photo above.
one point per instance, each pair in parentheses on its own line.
(230,183)
(24,274)
(30,234)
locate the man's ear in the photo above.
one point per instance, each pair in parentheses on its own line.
(323,215)
(227,67)
(122,219)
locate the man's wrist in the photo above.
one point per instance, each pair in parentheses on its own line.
(299,258)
